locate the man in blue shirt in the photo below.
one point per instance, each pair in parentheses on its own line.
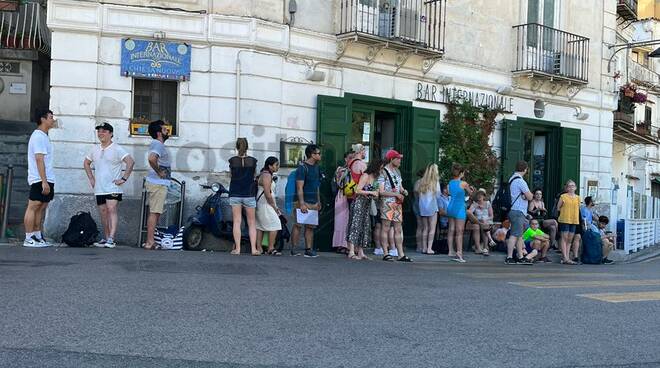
(308,197)
(587,214)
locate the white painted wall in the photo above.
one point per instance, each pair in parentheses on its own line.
(276,100)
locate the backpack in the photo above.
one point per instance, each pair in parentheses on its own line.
(342,179)
(350,184)
(82,230)
(502,203)
(592,248)
(290,189)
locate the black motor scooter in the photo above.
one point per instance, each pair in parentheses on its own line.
(209,219)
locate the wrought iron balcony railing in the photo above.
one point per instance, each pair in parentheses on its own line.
(25,28)
(551,53)
(642,75)
(627,9)
(418,24)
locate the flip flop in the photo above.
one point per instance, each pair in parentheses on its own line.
(235,252)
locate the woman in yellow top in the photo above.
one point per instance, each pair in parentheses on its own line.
(569,219)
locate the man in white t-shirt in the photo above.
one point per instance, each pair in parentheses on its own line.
(107,180)
(41,179)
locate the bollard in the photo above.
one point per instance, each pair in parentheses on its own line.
(6,203)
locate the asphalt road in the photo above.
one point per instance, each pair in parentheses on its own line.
(132,308)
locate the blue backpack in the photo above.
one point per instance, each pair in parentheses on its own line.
(592,248)
(290,189)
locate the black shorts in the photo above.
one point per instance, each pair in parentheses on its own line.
(100,199)
(35,193)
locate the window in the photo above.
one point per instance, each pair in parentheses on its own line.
(648,115)
(154,100)
(641,57)
(543,12)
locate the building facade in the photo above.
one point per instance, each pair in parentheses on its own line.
(378,72)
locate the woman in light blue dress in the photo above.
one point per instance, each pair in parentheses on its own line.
(456,212)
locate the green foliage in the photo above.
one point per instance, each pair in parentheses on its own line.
(464,139)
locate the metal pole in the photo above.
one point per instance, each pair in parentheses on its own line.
(6,204)
(142,215)
(181,204)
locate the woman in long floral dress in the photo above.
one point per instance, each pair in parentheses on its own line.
(359,223)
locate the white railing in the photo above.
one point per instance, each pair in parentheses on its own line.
(642,223)
(25,29)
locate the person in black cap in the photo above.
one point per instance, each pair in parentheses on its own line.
(107,180)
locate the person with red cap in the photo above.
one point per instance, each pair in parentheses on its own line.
(392,194)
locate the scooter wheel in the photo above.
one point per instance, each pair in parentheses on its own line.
(192,238)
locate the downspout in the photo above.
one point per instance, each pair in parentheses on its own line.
(237,118)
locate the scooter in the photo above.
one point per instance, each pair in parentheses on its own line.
(209,219)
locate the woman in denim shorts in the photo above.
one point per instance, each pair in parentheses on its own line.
(242,191)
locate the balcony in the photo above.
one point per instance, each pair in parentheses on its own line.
(549,53)
(406,26)
(642,75)
(627,131)
(25,29)
(627,9)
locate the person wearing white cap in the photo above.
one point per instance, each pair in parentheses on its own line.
(107,180)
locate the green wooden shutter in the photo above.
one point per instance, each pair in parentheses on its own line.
(424,143)
(512,150)
(570,155)
(419,150)
(333,131)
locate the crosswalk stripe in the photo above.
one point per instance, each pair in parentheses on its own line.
(578,284)
(549,275)
(624,297)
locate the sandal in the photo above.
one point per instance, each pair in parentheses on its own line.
(430,253)
(342,250)
(405,259)
(365,258)
(274,252)
(569,262)
(353,257)
(388,258)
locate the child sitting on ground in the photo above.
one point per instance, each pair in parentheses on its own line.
(607,238)
(536,241)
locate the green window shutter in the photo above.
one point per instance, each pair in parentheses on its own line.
(333,125)
(570,156)
(424,142)
(512,150)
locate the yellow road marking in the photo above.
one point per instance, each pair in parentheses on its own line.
(624,297)
(577,284)
(495,275)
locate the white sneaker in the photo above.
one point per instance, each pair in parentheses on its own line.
(110,244)
(43,241)
(34,242)
(378,252)
(100,244)
(394,253)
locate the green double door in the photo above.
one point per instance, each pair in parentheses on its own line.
(379,124)
(552,152)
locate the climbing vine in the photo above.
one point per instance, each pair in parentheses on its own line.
(464,138)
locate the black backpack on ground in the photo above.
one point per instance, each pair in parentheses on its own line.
(502,202)
(82,230)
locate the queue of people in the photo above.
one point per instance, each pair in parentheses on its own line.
(368,203)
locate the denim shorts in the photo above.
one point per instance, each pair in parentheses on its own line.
(567,228)
(248,202)
(518,223)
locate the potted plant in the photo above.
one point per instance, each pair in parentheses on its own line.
(629,95)
(643,128)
